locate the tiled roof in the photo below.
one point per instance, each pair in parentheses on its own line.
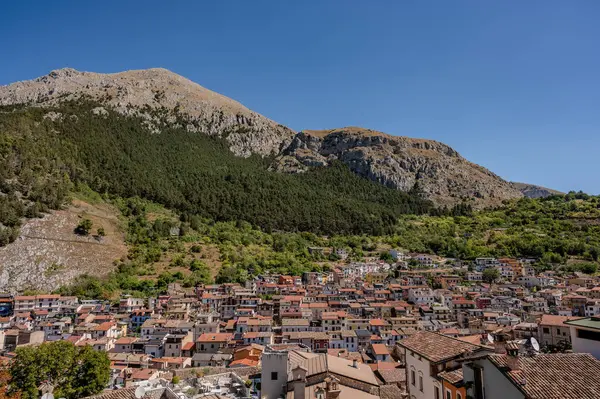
(561,375)
(333,364)
(453,377)
(380,349)
(436,347)
(553,320)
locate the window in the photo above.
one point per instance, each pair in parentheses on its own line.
(458,395)
(437,392)
(448,394)
(421,383)
(591,335)
(412,377)
(546,330)
(558,331)
(274,376)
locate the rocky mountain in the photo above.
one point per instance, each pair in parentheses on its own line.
(149,92)
(533,191)
(163,98)
(398,162)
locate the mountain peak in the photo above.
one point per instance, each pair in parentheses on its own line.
(141,92)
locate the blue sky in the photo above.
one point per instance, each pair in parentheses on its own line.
(512,85)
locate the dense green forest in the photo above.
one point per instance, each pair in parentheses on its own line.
(191,172)
(258,221)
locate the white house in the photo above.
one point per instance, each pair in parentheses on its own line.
(426,355)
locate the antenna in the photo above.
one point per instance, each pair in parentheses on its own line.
(490,338)
(535,344)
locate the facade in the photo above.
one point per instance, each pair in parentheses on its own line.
(426,355)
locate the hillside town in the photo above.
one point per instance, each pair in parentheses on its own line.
(439,329)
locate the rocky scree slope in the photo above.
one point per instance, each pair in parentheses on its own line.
(399,162)
(147,93)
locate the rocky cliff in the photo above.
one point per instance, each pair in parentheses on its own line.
(159,96)
(399,162)
(163,98)
(533,191)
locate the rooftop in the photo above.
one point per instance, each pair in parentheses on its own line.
(559,375)
(587,322)
(436,347)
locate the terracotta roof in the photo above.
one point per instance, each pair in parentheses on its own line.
(436,347)
(560,375)
(212,337)
(380,349)
(453,377)
(552,320)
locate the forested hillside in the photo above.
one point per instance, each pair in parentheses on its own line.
(43,151)
(226,218)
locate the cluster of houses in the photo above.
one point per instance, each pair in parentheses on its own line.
(366,330)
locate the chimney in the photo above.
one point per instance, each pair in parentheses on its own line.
(512,355)
(299,381)
(355,363)
(332,388)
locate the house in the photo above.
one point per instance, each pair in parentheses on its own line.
(213,342)
(585,335)
(426,355)
(483,263)
(294,325)
(130,305)
(174,343)
(453,386)
(379,352)
(553,332)
(124,345)
(261,338)
(293,373)
(316,341)
(210,359)
(559,375)
(171,363)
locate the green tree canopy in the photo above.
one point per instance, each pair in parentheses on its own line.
(74,372)
(491,274)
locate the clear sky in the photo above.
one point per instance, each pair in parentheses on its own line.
(512,85)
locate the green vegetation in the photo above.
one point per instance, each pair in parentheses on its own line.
(490,275)
(196,214)
(554,230)
(74,372)
(191,172)
(84,227)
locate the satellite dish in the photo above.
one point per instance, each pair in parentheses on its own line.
(47,396)
(535,344)
(140,392)
(490,338)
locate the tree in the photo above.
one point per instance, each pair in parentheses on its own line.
(74,372)
(84,227)
(387,257)
(100,232)
(490,274)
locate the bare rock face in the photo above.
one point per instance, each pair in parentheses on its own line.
(142,91)
(399,162)
(533,191)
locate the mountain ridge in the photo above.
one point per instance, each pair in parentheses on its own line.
(399,162)
(163,98)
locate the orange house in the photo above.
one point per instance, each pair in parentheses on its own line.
(452,385)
